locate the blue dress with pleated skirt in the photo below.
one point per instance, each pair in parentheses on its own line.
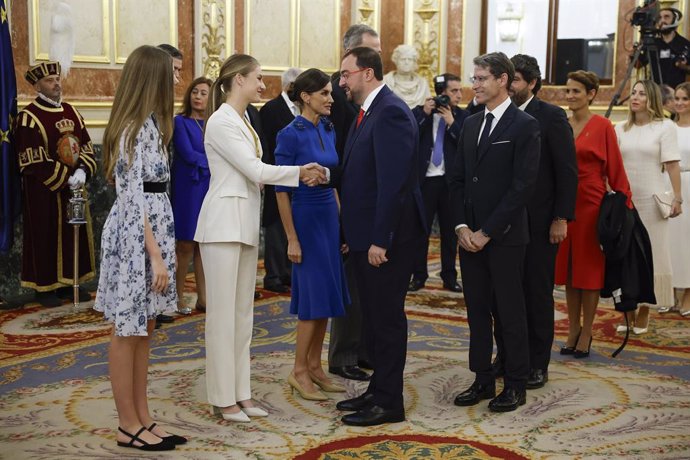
(319,288)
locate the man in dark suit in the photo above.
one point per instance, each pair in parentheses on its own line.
(549,209)
(347,350)
(493,177)
(383,222)
(439,131)
(275,115)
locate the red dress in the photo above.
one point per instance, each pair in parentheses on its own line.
(598,158)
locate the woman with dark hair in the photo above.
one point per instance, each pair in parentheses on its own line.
(580,261)
(310,219)
(649,145)
(228,233)
(680,226)
(190,177)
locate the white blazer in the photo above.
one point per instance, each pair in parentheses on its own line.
(230,212)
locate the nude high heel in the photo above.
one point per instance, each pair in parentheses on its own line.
(315,396)
(326,386)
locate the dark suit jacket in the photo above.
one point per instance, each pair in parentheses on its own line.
(343,113)
(556,187)
(426,138)
(379,179)
(274,115)
(490,187)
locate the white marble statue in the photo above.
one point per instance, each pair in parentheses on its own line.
(404,81)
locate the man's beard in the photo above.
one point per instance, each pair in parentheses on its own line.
(669,31)
(520,98)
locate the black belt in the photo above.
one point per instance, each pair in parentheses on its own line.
(155,187)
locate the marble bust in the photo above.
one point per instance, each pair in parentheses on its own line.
(404,81)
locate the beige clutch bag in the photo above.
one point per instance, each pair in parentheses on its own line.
(664,201)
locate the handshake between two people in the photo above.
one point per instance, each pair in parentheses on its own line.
(313,174)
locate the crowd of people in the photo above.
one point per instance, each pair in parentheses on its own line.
(353,178)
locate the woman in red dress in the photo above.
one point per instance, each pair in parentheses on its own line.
(580,261)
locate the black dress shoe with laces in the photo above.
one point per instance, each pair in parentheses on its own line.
(349,372)
(509,400)
(497,367)
(537,379)
(415,285)
(355,404)
(453,287)
(374,415)
(475,393)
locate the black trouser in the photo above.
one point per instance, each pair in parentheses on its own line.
(492,279)
(276,262)
(437,202)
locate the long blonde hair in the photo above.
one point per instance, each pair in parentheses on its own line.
(241,64)
(146,86)
(655,108)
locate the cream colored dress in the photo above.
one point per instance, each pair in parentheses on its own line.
(679,227)
(644,149)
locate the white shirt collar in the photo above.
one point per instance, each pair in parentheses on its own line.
(498,111)
(370,98)
(291,105)
(526,103)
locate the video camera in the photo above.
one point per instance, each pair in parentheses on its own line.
(646,17)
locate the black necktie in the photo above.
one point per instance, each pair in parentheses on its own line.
(484,138)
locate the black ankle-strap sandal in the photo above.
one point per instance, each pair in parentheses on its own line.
(172,438)
(163,445)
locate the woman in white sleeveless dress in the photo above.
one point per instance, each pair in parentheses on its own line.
(649,147)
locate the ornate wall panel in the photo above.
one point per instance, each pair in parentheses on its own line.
(318,35)
(91,19)
(155,21)
(214,40)
(425,29)
(368,12)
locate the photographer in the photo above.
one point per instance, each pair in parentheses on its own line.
(674,49)
(440,122)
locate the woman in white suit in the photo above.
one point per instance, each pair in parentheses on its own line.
(228,232)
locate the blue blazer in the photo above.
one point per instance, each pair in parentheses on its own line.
(379,177)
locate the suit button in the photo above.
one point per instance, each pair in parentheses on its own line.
(475,179)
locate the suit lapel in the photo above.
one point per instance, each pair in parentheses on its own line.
(354,133)
(503,123)
(249,137)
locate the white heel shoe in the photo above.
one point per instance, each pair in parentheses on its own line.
(236,417)
(255,412)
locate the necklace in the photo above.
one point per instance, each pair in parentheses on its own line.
(198,124)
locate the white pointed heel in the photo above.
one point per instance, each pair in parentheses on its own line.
(236,417)
(255,412)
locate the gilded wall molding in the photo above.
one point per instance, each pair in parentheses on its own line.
(214,19)
(425,29)
(368,12)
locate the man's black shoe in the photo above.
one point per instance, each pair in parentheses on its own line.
(279,288)
(374,415)
(537,379)
(508,400)
(48,299)
(360,402)
(454,286)
(164,318)
(364,364)
(415,285)
(497,367)
(475,393)
(349,372)
(67,293)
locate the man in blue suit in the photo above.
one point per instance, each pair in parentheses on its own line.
(491,183)
(439,130)
(383,223)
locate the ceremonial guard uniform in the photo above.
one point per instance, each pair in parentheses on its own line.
(52,143)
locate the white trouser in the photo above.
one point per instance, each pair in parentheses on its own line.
(230,270)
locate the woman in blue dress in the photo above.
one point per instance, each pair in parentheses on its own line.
(311,222)
(190,178)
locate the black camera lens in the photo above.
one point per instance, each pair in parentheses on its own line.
(442,100)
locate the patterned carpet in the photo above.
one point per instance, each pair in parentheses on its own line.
(55,398)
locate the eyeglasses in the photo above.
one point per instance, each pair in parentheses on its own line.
(479,79)
(345,74)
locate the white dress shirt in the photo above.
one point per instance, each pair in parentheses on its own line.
(291,105)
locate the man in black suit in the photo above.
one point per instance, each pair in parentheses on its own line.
(347,350)
(549,209)
(275,115)
(439,131)
(493,177)
(383,222)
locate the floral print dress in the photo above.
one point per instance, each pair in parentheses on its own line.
(124,289)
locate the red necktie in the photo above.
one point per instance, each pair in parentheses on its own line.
(359,118)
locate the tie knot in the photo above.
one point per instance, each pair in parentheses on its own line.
(489,117)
